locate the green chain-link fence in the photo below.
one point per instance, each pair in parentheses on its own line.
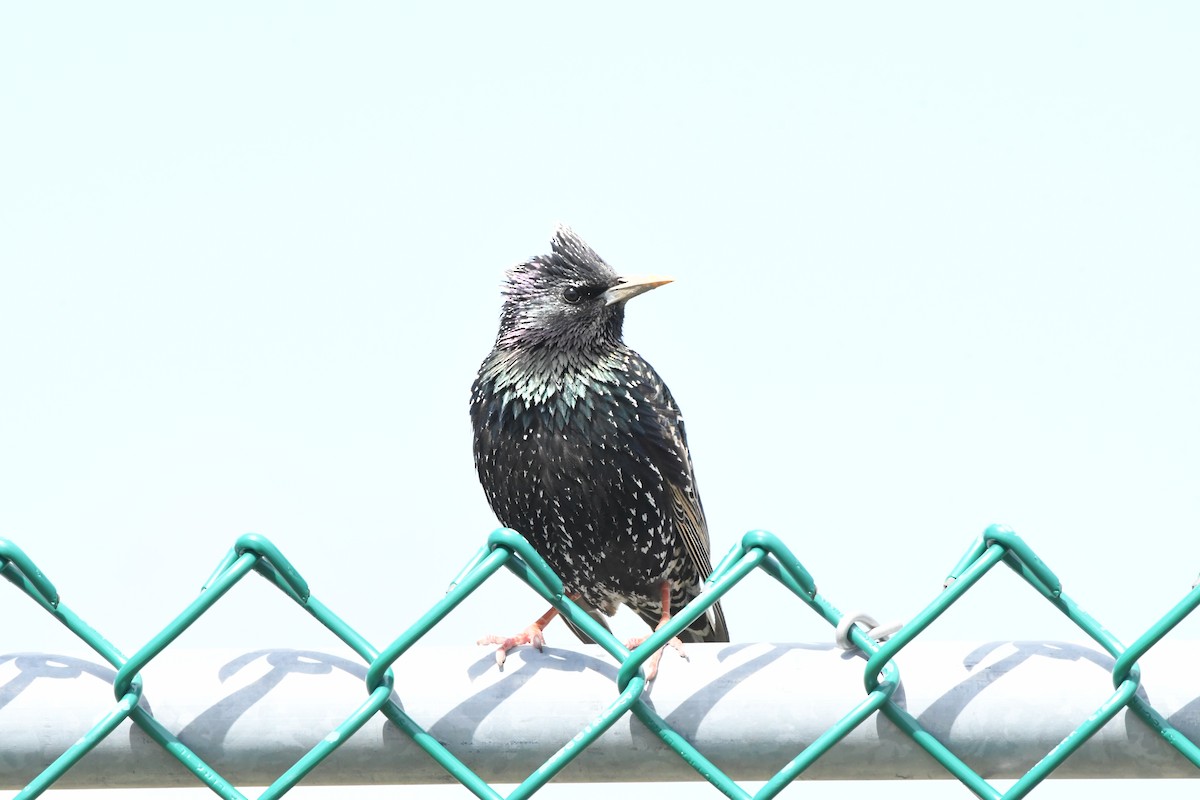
(505,548)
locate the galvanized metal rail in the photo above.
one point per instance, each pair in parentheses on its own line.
(771,712)
(749,707)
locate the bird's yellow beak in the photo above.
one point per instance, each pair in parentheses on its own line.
(633,286)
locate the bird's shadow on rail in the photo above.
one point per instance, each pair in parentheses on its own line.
(467,716)
(687,717)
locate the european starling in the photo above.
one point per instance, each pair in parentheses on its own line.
(581,448)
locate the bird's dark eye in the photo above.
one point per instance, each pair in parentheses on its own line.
(572,295)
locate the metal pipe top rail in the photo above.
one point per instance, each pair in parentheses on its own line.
(736,710)
(748,707)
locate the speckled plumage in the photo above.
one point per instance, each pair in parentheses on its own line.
(580,446)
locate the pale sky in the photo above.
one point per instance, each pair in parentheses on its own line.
(936,267)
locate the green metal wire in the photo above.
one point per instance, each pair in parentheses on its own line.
(758,550)
(999,544)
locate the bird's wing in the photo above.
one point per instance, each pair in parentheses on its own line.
(687,509)
(689,521)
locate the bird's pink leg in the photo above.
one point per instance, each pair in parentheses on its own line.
(531,635)
(652,663)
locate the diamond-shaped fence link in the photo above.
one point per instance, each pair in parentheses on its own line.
(757,550)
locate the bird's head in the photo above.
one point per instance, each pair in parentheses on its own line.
(569,300)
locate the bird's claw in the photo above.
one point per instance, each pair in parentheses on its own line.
(652,662)
(531,635)
(677,643)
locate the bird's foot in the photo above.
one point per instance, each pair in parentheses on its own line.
(531,635)
(652,662)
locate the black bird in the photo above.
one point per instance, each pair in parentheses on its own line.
(581,448)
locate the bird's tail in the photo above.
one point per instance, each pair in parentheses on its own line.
(594,614)
(709,628)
